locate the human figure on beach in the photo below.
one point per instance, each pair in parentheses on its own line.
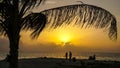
(94,57)
(70,55)
(66,55)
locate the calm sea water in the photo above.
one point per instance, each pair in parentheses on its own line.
(99,56)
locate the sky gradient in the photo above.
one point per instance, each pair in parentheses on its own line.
(70,37)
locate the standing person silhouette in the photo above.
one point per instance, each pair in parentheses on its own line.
(66,55)
(70,55)
(94,57)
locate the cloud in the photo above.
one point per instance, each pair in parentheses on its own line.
(50,2)
(51,48)
(54,48)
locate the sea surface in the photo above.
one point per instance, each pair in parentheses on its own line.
(99,55)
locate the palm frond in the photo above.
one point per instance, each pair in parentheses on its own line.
(84,15)
(5,16)
(36,22)
(3,29)
(26,5)
(7,9)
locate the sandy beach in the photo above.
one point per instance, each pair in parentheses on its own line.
(62,63)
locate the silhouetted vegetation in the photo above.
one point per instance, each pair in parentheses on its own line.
(84,15)
(15,16)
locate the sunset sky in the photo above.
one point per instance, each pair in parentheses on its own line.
(70,37)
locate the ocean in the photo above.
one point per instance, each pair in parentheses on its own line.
(99,55)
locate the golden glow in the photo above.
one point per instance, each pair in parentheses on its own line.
(65,38)
(87,39)
(72,35)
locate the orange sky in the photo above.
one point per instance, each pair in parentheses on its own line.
(72,37)
(94,39)
(75,36)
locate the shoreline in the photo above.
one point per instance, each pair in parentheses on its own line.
(44,62)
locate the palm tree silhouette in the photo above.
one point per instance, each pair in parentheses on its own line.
(84,15)
(15,16)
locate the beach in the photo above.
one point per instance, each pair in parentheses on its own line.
(45,62)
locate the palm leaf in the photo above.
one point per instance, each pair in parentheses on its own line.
(4,17)
(35,22)
(84,15)
(26,5)
(2,31)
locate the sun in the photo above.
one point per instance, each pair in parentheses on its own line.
(65,38)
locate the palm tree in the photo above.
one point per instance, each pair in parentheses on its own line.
(15,16)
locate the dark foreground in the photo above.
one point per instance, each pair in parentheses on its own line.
(62,63)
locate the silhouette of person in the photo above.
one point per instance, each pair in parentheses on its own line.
(66,55)
(70,55)
(94,57)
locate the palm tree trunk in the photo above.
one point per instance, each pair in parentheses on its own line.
(14,42)
(14,37)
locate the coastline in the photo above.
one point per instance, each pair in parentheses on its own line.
(44,62)
(82,55)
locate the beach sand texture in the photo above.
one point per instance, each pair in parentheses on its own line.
(62,63)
